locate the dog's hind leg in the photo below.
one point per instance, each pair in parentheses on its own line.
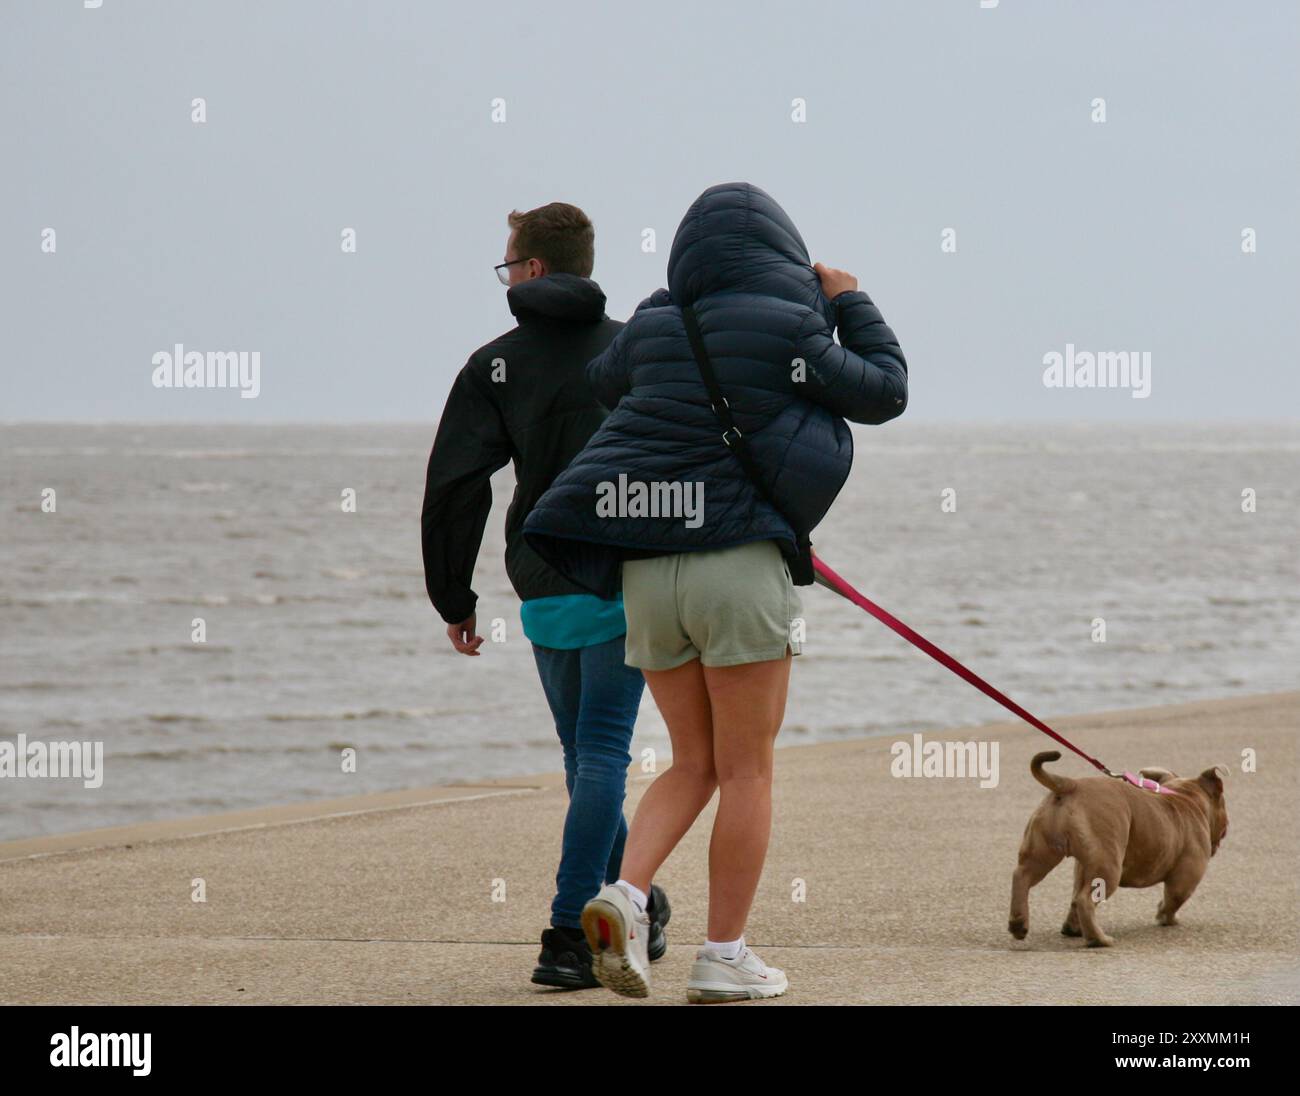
(1037,858)
(1071,926)
(1098,884)
(1178,889)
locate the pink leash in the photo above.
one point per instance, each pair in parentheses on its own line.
(832,581)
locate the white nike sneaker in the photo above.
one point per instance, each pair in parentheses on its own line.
(744,978)
(619,938)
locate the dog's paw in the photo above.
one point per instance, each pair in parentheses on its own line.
(1069,929)
(1102,941)
(1018,929)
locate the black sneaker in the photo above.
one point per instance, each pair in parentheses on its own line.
(658,910)
(565,961)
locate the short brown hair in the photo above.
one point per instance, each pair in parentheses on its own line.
(559,234)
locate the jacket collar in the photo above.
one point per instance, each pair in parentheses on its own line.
(567,297)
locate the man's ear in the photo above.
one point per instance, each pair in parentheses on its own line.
(1161,776)
(1212,782)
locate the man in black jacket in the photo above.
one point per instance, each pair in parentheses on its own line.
(524,398)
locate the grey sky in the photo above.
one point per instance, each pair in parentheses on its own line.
(920,116)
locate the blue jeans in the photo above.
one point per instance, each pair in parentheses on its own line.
(594,698)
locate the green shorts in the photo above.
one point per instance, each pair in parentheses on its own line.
(724,606)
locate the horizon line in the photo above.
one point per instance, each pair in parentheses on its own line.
(1225,420)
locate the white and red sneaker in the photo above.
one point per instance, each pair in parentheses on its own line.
(619,937)
(744,978)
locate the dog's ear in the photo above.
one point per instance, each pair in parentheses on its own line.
(1160,776)
(1212,782)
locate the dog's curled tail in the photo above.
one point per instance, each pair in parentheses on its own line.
(1058,784)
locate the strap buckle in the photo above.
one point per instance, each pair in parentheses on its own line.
(714,407)
(726,440)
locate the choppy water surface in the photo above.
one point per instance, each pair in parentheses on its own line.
(319,633)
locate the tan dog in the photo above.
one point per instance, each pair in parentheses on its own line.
(1123,836)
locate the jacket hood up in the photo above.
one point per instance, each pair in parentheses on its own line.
(736,239)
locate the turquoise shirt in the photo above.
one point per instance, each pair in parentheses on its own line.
(572,620)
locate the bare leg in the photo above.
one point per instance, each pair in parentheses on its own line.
(673,802)
(748,703)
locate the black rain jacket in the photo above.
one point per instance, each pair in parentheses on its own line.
(539,412)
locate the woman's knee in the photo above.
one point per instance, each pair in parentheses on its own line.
(701,773)
(744,776)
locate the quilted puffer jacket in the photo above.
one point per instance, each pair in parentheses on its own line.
(738,259)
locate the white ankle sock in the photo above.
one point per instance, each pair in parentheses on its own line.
(730,949)
(637,894)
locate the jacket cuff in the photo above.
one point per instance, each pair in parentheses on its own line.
(849,297)
(455,609)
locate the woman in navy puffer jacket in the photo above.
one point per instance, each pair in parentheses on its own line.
(705,571)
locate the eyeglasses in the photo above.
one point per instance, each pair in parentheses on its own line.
(503,276)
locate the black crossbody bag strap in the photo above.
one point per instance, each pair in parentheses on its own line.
(801,569)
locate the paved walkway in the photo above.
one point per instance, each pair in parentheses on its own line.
(390,898)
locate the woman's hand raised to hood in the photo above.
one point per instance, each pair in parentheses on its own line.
(834,282)
(864,377)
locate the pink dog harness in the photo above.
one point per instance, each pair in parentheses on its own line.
(1148,783)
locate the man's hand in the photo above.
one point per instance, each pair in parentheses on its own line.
(462,636)
(834,282)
